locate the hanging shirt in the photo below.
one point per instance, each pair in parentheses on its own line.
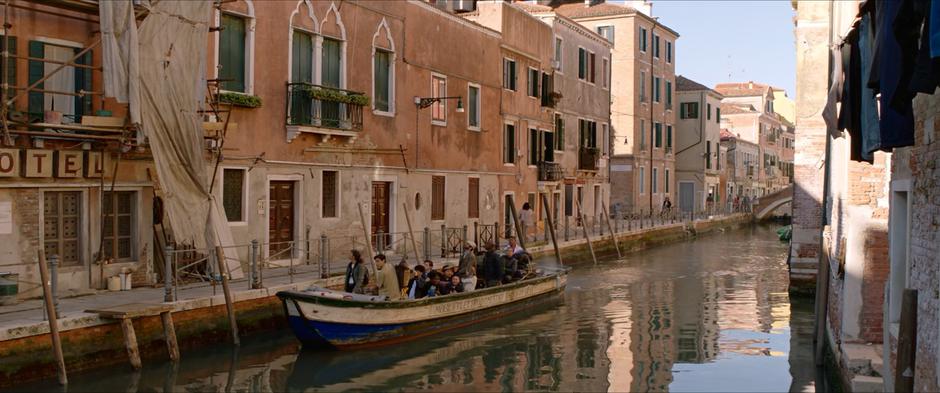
(869,125)
(897,120)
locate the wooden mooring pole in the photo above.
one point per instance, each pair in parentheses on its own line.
(585,232)
(411,232)
(366,231)
(229,304)
(613,235)
(551,228)
(520,235)
(53,319)
(907,343)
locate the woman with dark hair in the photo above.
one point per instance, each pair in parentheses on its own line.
(357,274)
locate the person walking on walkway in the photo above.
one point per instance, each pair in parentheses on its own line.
(386,279)
(527,219)
(357,274)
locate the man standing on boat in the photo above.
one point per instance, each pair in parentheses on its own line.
(386,279)
(493,266)
(357,274)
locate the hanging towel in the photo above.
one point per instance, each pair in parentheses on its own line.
(833,121)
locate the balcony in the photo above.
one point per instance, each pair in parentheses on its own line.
(550,171)
(323,110)
(587,158)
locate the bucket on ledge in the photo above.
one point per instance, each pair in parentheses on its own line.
(9,287)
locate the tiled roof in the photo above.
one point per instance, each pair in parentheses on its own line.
(579,10)
(534,8)
(686,84)
(725,134)
(743,89)
(732,109)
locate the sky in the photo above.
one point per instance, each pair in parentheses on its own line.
(733,40)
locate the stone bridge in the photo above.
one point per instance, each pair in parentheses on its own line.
(770,202)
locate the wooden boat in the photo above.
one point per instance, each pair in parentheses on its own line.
(325,317)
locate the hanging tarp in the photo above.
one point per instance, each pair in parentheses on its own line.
(119,54)
(171,64)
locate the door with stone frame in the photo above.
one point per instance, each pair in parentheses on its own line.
(280,218)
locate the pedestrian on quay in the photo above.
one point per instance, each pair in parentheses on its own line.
(527,219)
(386,279)
(357,274)
(418,285)
(493,266)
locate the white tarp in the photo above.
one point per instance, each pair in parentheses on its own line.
(119,54)
(171,62)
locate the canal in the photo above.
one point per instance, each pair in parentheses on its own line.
(711,314)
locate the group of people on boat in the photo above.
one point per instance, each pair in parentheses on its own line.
(474,270)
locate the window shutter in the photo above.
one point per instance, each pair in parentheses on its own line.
(82,82)
(232,53)
(437,197)
(473,201)
(331,63)
(381,80)
(36,72)
(302,58)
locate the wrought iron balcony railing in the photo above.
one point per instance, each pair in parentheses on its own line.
(550,171)
(324,107)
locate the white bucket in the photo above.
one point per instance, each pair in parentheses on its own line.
(126,281)
(114,283)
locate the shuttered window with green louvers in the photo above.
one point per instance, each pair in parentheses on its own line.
(232,53)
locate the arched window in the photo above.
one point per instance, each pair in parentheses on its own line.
(383,70)
(235,47)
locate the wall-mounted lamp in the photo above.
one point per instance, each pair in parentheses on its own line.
(428,101)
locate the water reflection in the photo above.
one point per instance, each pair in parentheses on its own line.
(708,315)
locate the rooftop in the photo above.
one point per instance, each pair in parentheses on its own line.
(734,109)
(742,89)
(579,10)
(686,84)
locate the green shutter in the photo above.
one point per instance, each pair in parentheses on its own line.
(82,82)
(474,113)
(302,58)
(36,72)
(331,63)
(669,136)
(512,75)
(232,53)
(381,76)
(659,135)
(682,112)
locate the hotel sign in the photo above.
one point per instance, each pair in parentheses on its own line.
(43,163)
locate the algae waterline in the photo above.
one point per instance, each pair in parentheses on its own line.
(94,347)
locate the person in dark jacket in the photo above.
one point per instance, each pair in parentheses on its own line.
(403,273)
(454,286)
(434,284)
(356,273)
(418,285)
(493,266)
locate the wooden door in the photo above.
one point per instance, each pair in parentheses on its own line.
(380,214)
(280,218)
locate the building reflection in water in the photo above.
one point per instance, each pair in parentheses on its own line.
(712,314)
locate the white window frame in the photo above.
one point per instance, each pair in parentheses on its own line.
(669,54)
(479,104)
(515,144)
(391,69)
(338,196)
(529,82)
(654,185)
(245,192)
(515,82)
(642,88)
(641,171)
(249,46)
(559,55)
(613,31)
(443,103)
(645,45)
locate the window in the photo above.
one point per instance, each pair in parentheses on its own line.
(666,183)
(233,194)
(668,94)
(582,64)
(548,87)
(591,68)
(509,74)
(658,141)
(606,32)
(473,106)
(688,110)
(605,134)
(437,197)
(654,182)
(656,90)
(302,57)
(61,226)
(232,41)
(655,46)
(532,84)
(329,194)
(509,144)
(668,138)
(547,145)
(642,87)
(68,80)
(643,134)
(438,108)
(118,209)
(331,59)
(533,146)
(605,73)
(708,155)
(718,115)
(587,131)
(717,157)
(643,40)
(382,83)
(641,177)
(708,111)
(559,132)
(668,55)
(558,53)
(473,197)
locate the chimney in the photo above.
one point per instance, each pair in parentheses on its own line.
(750,84)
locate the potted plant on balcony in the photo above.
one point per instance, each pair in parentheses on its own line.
(239,99)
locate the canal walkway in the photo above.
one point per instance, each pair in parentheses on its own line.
(200,307)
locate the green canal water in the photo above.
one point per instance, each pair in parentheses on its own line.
(711,314)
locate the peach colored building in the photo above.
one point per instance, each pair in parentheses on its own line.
(698,156)
(643,102)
